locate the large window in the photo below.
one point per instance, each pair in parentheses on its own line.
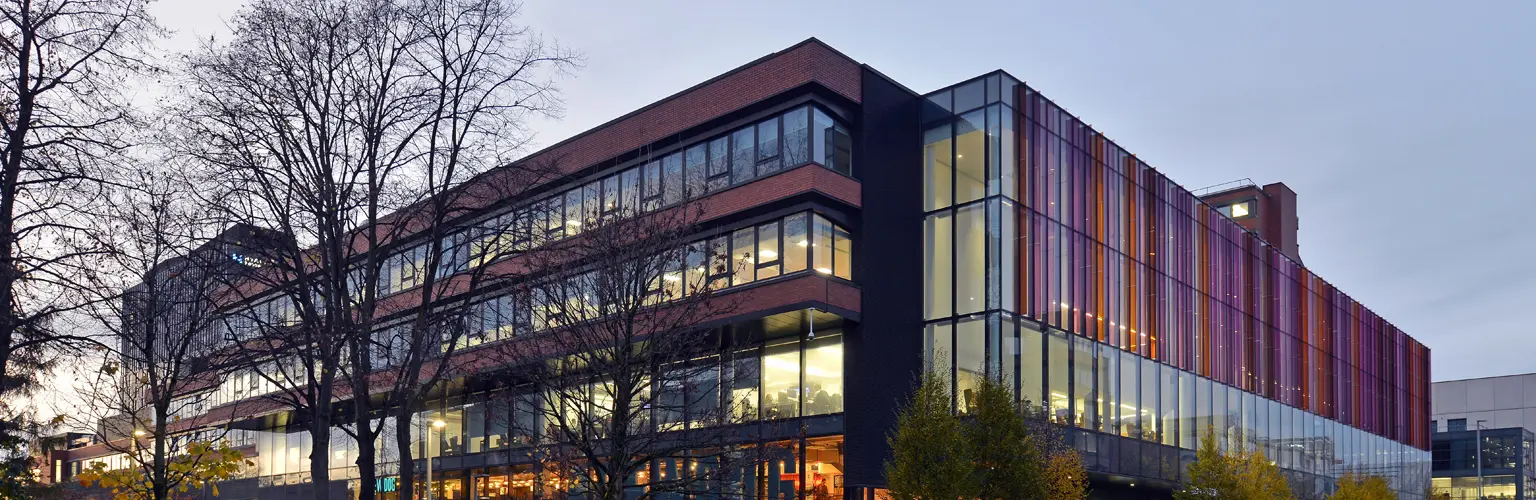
(938,168)
(824,375)
(938,265)
(970,361)
(1031,366)
(1058,378)
(970,157)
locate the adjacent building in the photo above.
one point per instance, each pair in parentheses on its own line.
(1483,446)
(979,230)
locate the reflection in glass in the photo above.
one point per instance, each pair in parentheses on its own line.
(743,261)
(767,250)
(938,167)
(970,259)
(821,245)
(797,243)
(938,262)
(939,340)
(742,164)
(970,361)
(970,157)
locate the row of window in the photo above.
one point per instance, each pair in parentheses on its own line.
(794,244)
(783,378)
(1081,383)
(799,136)
(797,243)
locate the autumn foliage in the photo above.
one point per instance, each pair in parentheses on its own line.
(203,464)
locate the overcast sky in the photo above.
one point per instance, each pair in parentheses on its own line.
(1402,125)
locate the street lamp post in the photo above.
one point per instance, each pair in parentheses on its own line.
(1479,434)
(436,424)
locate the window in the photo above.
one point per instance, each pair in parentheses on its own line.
(719,163)
(1108,394)
(672,274)
(573,212)
(821,246)
(938,265)
(696,166)
(768,160)
(745,376)
(938,167)
(672,186)
(939,341)
(651,192)
(969,96)
(1135,419)
(720,266)
(697,265)
(1031,366)
(1237,210)
(833,146)
(591,203)
(842,253)
(611,195)
(970,154)
(742,164)
(768,250)
(629,192)
(1169,385)
(402,271)
(1455,424)
(971,259)
(824,374)
(743,265)
(796,137)
(781,379)
(970,361)
(796,243)
(703,390)
(1057,381)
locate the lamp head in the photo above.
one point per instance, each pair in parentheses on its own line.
(438,424)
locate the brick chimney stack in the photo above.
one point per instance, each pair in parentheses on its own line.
(1269,211)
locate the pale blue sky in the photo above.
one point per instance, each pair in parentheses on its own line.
(1402,125)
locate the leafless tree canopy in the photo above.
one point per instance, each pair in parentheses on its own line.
(349,127)
(64,128)
(158,276)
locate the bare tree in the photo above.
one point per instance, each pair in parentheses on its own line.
(350,126)
(626,372)
(164,328)
(63,124)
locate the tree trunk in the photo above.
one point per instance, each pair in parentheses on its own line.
(159,477)
(407,481)
(367,455)
(320,437)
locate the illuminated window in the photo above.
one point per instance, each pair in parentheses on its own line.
(1237,210)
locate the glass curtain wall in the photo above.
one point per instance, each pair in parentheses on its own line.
(1096,348)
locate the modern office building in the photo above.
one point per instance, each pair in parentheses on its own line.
(1487,420)
(979,230)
